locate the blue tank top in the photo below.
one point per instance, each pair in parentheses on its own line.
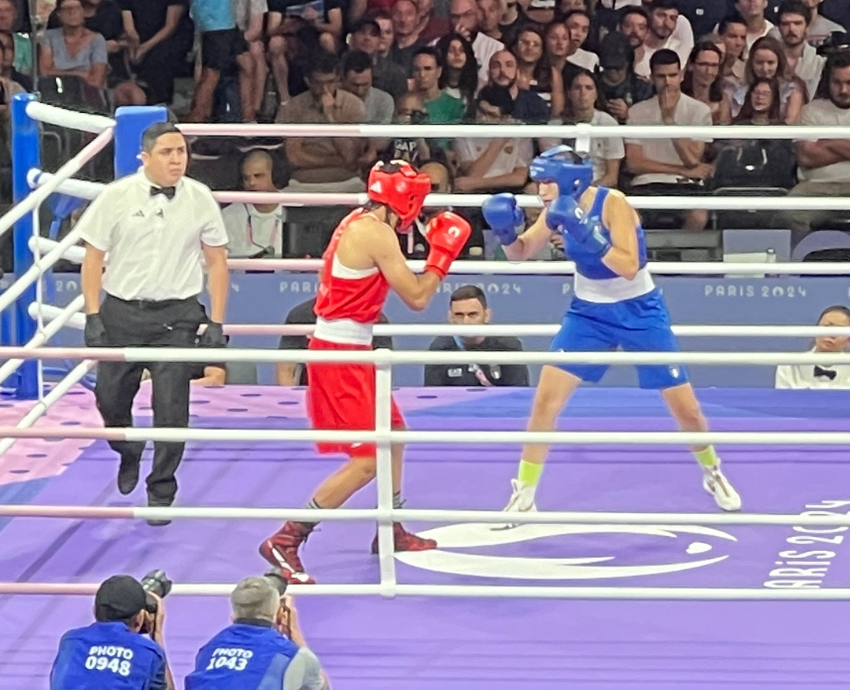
(242,657)
(590,265)
(107,656)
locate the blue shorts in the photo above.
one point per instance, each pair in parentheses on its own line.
(641,324)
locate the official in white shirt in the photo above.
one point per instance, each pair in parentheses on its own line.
(146,235)
(815,376)
(255,230)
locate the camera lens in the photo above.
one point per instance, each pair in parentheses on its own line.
(155,582)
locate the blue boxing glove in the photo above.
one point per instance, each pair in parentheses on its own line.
(565,216)
(503,216)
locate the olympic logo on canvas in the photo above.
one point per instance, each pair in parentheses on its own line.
(690,548)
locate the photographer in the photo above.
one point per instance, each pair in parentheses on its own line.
(115,651)
(263,647)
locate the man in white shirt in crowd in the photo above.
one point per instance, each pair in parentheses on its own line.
(824,165)
(683,32)
(803,60)
(752,12)
(818,376)
(492,165)
(578,27)
(663,16)
(255,230)
(669,166)
(820,27)
(156,227)
(465,18)
(357,79)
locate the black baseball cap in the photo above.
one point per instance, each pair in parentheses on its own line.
(118,598)
(615,52)
(363,23)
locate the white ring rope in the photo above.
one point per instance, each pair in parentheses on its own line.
(388,358)
(78,322)
(90,190)
(505,268)
(70,119)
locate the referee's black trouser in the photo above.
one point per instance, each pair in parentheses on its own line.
(170,323)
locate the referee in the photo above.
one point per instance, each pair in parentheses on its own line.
(155,226)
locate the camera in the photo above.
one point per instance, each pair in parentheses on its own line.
(155,582)
(837,42)
(277,579)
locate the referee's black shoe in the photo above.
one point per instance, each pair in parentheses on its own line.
(154,503)
(128,473)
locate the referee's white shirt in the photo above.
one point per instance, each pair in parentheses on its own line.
(153,244)
(803,376)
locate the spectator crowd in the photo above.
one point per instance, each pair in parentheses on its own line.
(603,62)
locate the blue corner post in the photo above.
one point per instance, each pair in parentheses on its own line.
(130,123)
(26,154)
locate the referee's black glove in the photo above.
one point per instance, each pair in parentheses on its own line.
(213,336)
(95,333)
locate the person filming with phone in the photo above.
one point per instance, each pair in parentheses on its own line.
(124,648)
(262,648)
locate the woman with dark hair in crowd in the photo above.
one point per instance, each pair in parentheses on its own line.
(534,71)
(767,60)
(762,104)
(703,82)
(460,69)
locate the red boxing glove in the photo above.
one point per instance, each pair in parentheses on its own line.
(447,234)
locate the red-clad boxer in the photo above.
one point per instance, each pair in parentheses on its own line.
(362,262)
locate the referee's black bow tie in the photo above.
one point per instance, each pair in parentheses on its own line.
(829,373)
(167,191)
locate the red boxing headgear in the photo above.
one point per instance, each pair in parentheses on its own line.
(397,185)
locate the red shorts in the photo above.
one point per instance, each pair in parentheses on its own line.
(342,397)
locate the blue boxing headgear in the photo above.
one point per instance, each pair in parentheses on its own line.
(563,166)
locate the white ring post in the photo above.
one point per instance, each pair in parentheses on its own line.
(383,427)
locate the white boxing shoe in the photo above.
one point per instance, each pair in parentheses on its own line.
(522,501)
(715,483)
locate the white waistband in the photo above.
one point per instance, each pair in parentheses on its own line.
(612,290)
(343,331)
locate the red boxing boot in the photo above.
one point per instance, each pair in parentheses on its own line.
(406,541)
(281,550)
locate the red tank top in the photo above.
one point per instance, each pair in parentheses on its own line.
(359,299)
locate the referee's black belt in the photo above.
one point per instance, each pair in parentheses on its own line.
(151,303)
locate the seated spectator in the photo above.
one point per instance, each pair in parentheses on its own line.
(703,82)
(803,60)
(459,77)
(159,35)
(761,105)
(753,14)
(582,106)
(733,32)
(663,17)
(529,107)
(104,17)
(7,67)
(683,32)
(442,108)
(324,17)
(405,18)
(492,165)
(468,306)
(23,45)
(409,110)
(293,374)
(819,26)
(465,18)
(357,80)
(618,84)
(534,72)
(491,15)
(512,20)
(669,166)
(431,26)
(326,163)
(255,230)
(73,50)
(824,165)
(223,47)
(767,60)
(386,75)
(577,23)
(816,376)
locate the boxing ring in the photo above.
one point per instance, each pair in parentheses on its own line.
(643,584)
